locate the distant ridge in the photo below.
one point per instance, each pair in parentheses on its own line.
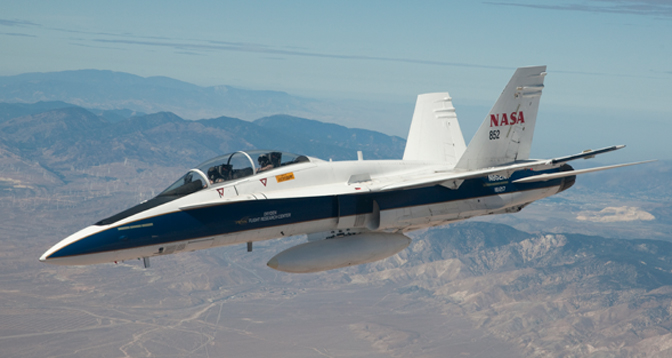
(109,90)
(12,110)
(104,90)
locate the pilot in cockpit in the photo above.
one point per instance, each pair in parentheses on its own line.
(219,173)
(264,163)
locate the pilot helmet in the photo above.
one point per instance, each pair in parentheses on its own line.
(263,160)
(212,173)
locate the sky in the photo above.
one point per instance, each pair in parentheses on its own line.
(609,66)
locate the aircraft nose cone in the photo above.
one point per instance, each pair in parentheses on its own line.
(273,263)
(65,252)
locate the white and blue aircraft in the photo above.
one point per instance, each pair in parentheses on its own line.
(353,212)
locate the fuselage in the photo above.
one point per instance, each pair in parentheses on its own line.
(312,197)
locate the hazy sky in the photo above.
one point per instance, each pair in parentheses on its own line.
(608,59)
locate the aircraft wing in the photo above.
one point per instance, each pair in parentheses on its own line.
(452,179)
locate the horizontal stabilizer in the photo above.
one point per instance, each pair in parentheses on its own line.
(586,154)
(547,177)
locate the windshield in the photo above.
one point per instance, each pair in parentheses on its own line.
(191,182)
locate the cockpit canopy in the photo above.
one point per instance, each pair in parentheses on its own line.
(222,169)
(231,166)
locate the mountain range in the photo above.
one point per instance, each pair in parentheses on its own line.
(102,90)
(112,90)
(60,137)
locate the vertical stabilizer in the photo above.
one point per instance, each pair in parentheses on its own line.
(435,134)
(506,134)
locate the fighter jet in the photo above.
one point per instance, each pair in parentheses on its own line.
(353,212)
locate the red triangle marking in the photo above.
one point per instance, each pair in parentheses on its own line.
(263,181)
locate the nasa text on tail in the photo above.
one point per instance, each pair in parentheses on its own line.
(353,212)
